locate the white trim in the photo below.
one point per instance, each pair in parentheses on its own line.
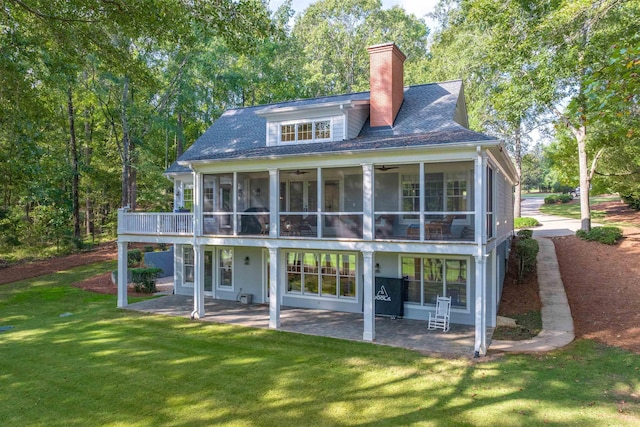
(313,122)
(319,274)
(423,306)
(217,278)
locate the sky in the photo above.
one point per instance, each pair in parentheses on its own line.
(417,7)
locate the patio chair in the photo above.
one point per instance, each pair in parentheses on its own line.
(441,317)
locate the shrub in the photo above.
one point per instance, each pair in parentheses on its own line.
(526,252)
(557,198)
(632,200)
(525,234)
(525,222)
(606,235)
(148,248)
(144,279)
(134,257)
(559,188)
(162,246)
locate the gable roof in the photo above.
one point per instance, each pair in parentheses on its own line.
(426,117)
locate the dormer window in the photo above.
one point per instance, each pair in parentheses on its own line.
(302,131)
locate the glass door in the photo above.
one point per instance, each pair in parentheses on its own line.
(208,273)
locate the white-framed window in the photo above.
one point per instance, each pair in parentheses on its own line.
(305,130)
(429,276)
(446,192)
(321,274)
(225,269)
(187,197)
(188,270)
(410,193)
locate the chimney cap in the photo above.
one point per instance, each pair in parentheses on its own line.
(383,47)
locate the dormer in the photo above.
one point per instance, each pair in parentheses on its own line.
(315,122)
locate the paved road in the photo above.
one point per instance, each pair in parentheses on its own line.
(551,225)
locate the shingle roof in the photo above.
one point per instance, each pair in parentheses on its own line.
(426,117)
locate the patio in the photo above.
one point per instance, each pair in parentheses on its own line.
(405,333)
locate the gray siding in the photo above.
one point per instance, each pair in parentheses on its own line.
(504,206)
(356,119)
(272,133)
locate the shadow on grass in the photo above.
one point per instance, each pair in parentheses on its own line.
(104,366)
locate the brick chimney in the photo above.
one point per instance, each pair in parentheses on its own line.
(386,80)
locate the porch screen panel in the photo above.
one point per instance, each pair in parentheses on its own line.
(433,268)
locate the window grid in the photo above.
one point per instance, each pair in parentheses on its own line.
(306,131)
(329,275)
(429,277)
(188,267)
(225,268)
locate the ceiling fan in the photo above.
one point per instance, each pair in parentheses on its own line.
(384,168)
(299,172)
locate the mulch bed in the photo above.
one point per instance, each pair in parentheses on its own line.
(28,270)
(603,287)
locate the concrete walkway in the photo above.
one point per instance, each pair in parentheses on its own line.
(557,323)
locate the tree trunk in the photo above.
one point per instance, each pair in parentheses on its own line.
(517,198)
(133,176)
(126,161)
(74,166)
(585,181)
(88,205)
(180,137)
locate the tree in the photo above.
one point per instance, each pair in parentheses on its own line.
(334,34)
(543,51)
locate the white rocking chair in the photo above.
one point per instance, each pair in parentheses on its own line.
(441,317)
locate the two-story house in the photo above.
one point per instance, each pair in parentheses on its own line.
(304,203)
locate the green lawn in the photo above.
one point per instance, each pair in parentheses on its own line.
(109,367)
(534,195)
(572,210)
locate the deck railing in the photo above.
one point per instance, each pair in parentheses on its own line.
(156,223)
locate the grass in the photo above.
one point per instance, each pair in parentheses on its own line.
(534,195)
(572,210)
(528,324)
(110,367)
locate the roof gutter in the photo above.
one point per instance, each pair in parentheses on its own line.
(467,144)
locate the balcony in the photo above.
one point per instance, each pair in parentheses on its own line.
(157,223)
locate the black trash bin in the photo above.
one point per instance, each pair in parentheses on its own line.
(389,296)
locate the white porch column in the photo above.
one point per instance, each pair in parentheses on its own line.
(198,282)
(480,197)
(274,204)
(197,204)
(480,347)
(369,333)
(368,220)
(122,274)
(422,204)
(274,289)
